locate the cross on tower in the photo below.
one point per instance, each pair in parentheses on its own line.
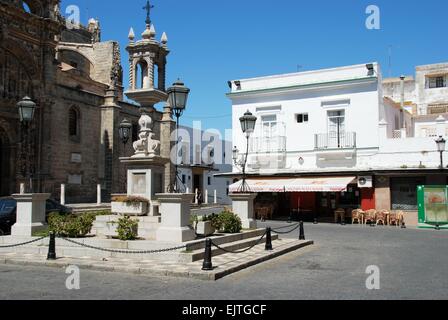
(148,8)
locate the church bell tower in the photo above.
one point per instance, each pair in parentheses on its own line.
(147,65)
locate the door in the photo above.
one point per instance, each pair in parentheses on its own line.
(269,132)
(197,182)
(336,128)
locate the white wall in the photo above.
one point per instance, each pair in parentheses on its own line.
(364,105)
(359,100)
(197,136)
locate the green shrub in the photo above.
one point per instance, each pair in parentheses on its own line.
(100,213)
(70,225)
(227,222)
(127,229)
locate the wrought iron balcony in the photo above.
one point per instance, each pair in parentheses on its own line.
(276,144)
(335,141)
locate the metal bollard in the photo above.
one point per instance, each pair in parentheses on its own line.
(208,265)
(268,246)
(302,231)
(52,247)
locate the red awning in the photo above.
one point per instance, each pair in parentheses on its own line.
(321,184)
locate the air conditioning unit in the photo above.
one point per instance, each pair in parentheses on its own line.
(365,182)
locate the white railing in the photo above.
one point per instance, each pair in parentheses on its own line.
(267,144)
(325,141)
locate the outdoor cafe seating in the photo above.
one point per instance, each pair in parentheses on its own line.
(376,217)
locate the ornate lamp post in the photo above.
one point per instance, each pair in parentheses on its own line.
(125,131)
(26,108)
(177,97)
(441,145)
(248,122)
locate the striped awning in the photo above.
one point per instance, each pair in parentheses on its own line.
(318,184)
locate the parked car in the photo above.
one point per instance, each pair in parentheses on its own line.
(8,208)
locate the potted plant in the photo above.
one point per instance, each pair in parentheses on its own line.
(130,205)
(203,225)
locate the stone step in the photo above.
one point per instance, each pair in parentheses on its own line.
(157,219)
(199,254)
(77,209)
(148,225)
(148,234)
(193,252)
(104,226)
(226,238)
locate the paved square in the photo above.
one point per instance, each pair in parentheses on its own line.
(412,265)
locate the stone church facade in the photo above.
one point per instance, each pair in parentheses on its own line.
(77,83)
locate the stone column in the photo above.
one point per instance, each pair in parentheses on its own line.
(150,62)
(161,76)
(30,214)
(167,127)
(63,194)
(98,194)
(243,206)
(131,74)
(175,212)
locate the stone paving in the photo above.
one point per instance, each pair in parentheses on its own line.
(223,265)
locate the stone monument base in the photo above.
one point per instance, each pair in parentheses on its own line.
(243,207)
(31,214)
(175,212)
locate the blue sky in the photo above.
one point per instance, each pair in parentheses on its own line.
(214,41)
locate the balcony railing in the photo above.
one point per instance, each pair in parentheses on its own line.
(334,141)
(275,144)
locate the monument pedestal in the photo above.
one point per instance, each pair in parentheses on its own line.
(146,179)
(243,207)
(31,214)
(175,211)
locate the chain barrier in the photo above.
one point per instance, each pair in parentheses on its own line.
(285,227)
(22,244)
(284,232)
(124,251)
(240,251)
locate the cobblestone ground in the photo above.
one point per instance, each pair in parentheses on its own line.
(412,265)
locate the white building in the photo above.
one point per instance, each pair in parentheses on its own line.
(321,132)
(201,156)
(424,94)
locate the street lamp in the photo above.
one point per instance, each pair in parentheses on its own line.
(177,98)
(26,108)
(125,131)
(248,122)
(441,144)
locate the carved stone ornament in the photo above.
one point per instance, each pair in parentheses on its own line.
(146,146)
